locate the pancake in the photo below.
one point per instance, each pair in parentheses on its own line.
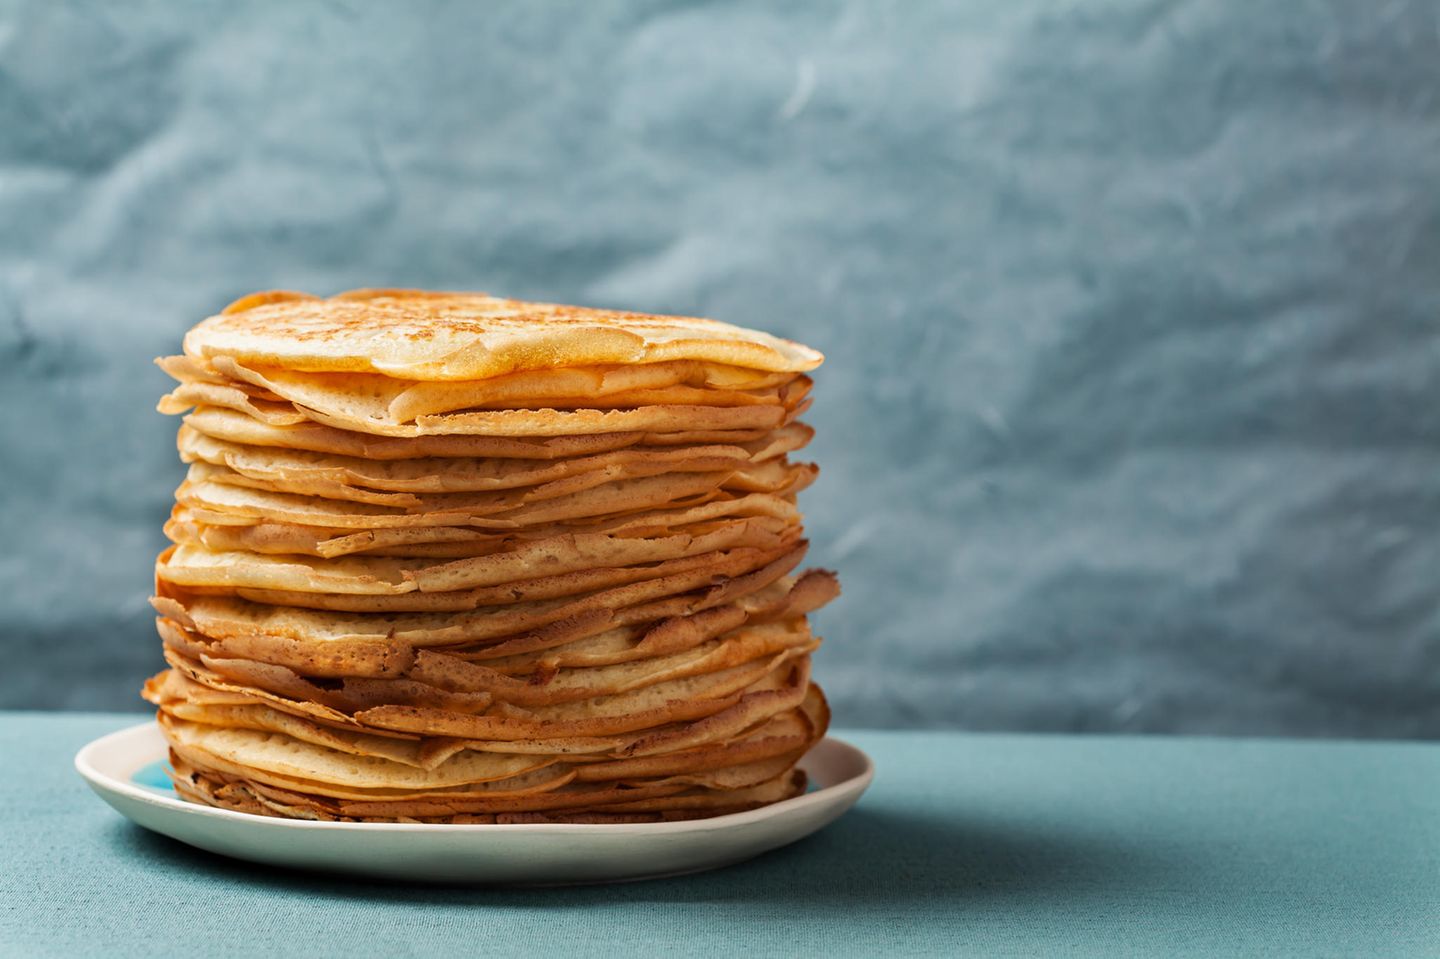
(463,475)
(707,584)
(452,558)
(418,335)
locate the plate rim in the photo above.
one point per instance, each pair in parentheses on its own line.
(102,782)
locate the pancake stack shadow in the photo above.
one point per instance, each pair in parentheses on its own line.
(450,558)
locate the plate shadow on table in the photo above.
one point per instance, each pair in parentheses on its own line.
(869,861)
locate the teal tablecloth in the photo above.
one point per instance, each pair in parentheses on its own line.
(966,845)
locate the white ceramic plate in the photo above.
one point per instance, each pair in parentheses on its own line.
(121,768)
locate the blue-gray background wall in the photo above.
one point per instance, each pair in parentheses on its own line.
(1130,419)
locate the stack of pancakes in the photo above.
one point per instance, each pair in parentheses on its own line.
(453,558)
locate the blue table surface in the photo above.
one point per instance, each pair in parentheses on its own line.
(966,844)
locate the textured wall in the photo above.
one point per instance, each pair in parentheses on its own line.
(1130,419)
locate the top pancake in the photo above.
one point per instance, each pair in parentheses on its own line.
(425,336)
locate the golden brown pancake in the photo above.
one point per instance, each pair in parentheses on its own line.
(419,335)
